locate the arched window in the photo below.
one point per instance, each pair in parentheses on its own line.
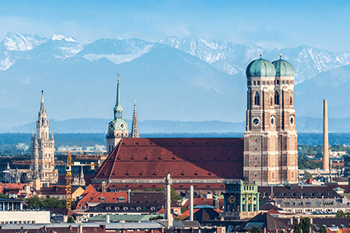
(257,98)
(271,101)
(291,100)
(277,98)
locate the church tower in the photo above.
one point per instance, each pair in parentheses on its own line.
(270,146)
(135,124)
(118,128)
(43,149)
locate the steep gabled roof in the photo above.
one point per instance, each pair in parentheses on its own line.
(89,189)
(183,158)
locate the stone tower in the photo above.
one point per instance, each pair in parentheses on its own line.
(118,128)
(270,140)
(135,124)
(43,149)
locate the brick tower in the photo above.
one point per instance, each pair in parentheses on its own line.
(270,140)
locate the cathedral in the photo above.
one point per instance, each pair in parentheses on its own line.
(266,155)
(43,150)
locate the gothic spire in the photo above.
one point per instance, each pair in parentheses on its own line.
(42,106)
(135,125)
(118,109)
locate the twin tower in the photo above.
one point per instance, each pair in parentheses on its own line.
(270,139)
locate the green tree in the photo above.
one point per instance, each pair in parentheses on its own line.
(307,175)
(297,228)
(4,195)
(183,209)
(305,225)
(340,214)
(255,230)
(175,195)
(322,230)
(70,220)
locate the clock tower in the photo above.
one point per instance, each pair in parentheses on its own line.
(270,139)
(117,128)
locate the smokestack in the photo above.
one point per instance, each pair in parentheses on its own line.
(168,183)
(129,190)
(325,136)
(191,203)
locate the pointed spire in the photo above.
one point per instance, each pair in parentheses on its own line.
(52,135)
(135,125)
(118,109)
(42,106)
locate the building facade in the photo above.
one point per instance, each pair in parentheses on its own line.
(241,200)
(117,128)
(270,139)
(43,149)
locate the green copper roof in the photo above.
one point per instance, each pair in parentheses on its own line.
(260,68)
(283,68)
(118,124)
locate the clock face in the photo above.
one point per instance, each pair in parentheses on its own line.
(291,120)
(121,125)
(249,199)
(111,125)
(272,120)
(232,199)
(256,121)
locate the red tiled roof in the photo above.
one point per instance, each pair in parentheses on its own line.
(142,186)
(89,189)
(183,158)
(56,190)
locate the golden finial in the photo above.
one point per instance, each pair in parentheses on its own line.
(118,79)
(260,55)
(280,56)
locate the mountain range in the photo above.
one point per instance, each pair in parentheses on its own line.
(180,80)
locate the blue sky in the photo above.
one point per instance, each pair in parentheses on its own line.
(271,24)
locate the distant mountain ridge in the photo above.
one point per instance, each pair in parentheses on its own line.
(226,56)
(180,80)
(304,125)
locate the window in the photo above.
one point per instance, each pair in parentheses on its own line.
(287,82)
(287,203)
(308,203)
(277,98)
(278,82)
(257,98)
(283,82)
(258,83)
(267,82)
(318,203)
(254,82)
(271,101)
(263,82)
(291,100)
(121,199)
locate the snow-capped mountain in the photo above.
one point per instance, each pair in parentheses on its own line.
(233,58)
(175,79)
(116,50)
(16,46)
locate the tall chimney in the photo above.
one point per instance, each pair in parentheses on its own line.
(191,203)
(168,182)
(325,136)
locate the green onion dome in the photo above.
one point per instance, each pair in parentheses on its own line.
(283,68)
(261,68)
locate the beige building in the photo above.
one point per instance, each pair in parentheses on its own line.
(43,150)
(270,139)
